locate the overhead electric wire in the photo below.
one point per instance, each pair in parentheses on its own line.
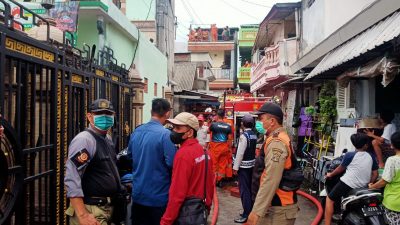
(146,4)
(239,10)
(148,12)
(187,10)
(194,12)
(184,26)
(182,35)
(253,3)
(137,46)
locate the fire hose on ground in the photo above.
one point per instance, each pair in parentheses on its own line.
(214,218)
(316,220)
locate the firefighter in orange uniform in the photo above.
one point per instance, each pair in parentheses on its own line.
(274,205)
(220,147)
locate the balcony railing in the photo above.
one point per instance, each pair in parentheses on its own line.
(219,73)
(244,75)
(276,60)
(271,58)
(212,34)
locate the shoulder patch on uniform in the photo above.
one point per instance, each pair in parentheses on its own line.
(276,154)
(81,158)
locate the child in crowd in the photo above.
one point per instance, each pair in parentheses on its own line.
(391,181)
(381,144)
(360,169)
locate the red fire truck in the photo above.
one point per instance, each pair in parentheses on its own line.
(238,105)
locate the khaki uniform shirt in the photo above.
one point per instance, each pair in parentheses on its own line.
(276,154)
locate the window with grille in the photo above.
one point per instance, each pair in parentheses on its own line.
(352,94)
(346,99)
(341,97)
(155,89)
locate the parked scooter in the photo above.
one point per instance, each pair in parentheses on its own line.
(360,206)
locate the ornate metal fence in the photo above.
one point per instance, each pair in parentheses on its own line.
(45,90)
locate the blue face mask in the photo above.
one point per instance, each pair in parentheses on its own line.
(103,122)
(259,127)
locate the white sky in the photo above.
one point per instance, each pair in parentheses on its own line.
(231,13)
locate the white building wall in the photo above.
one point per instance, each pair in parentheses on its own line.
(324,17)
(287,55)
(218,58)
(201,57)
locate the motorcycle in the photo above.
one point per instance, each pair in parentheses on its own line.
(121,214)
(359,206)
(362,206)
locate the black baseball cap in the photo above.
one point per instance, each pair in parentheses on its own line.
(270,108)
(248,118)
(100,105)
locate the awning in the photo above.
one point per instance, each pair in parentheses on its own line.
(267,82)
(387,67)
(375,36)
(185,74)
(201,101)
(195,95)
(299,78)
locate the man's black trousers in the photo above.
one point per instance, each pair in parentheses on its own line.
(245,176)
(146,215)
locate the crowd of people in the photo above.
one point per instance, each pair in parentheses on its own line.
(208,34)
(359,169)
(175,169)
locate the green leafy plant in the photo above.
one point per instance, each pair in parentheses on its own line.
(327,101)
(310,111)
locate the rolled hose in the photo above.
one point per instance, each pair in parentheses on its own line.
(214,218)
(318,218)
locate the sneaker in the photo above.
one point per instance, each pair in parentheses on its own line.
(241,220)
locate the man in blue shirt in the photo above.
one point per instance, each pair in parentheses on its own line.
(152,153)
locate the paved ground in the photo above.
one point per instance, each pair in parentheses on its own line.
(230,207)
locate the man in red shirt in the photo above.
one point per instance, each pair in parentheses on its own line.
(188,169)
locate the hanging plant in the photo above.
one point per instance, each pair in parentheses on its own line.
(327,101)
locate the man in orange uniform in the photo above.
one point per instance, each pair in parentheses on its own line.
(220,147)
(214,33)
(274,205)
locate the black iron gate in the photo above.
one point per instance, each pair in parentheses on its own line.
(45,90)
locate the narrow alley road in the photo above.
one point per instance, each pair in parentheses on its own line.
(230,207)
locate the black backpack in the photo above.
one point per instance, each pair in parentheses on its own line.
(291,178)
